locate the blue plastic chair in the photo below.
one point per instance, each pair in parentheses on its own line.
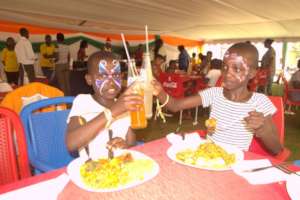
(45,134)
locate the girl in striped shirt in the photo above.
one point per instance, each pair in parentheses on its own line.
(240,113)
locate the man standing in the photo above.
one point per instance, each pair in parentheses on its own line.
(268,62)
(47,50)
(25,56)
(183,59)
(62,69)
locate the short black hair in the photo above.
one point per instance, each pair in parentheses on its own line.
(60,37)
(172,62)
(83,44)
(248,51)
(48,36)
(23,31)
(216,63)
(160,56)
(95,58)
(269,41)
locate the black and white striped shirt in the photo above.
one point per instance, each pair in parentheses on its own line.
(231,127)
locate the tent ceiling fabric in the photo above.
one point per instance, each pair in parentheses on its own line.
(193,19)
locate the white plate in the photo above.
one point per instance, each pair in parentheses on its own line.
(292,186)
(174,149)
(73,170)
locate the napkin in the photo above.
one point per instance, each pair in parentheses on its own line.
(265,176)
(190,139)
(43,190)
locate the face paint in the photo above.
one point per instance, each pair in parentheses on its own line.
(108,74)
(233,64)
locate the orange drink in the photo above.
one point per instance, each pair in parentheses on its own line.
(138,118)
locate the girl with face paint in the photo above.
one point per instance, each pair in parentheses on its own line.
(91,115)
(240,114)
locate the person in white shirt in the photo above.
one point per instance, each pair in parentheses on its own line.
(25,56)
(62,67)
(268,62)
(214,73)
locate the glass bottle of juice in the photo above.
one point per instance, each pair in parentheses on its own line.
(138,118)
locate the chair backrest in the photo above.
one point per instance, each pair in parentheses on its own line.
(13,100)
(172,84)
(278,119)
(45,134)
(262,77)
(219,81)
(14,163)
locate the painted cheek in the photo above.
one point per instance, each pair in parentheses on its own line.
(98,83)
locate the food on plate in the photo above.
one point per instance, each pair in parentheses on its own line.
(211,125)
(208,155)
(119,171)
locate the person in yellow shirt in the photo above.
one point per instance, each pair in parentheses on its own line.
(47,51)
(9,60)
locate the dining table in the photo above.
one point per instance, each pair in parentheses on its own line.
(174,181)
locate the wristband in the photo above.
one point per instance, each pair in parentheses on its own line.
(108,116)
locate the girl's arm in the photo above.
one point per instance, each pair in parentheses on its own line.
(79,135)
(265,129)
(173,104)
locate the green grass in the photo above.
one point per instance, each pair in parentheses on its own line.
(157,129)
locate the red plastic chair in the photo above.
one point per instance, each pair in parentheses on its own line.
(219,82)
(286,99)
(173,85)
(14,163)
(278,118)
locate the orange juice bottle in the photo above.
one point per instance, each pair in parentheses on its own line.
(138,118)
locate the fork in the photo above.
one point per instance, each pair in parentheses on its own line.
(110,151)
(281,166)
(178,129)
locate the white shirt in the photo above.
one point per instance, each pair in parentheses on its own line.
(231,127)
(24,52)
(85,106)
(213,76)
(162,51)
(63,52)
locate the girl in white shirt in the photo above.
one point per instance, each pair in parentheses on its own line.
(91,115)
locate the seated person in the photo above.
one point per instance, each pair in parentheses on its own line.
(172,66)
(214,73)
(92,115)
(295,84)
(240,114)
(157,65)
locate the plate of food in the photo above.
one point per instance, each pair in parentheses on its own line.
(206,155)
(127,169)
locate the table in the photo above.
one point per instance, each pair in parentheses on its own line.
(175,181)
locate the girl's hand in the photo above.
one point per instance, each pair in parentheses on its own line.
(128,101)
(255,120)
(117,143)
(157,87)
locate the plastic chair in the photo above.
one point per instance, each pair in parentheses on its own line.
(13,100)
(278,119)
(286,99)
(173,85)
(219,82)
(14,163)
(45,134)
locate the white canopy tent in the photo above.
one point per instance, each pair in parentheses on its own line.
(194,19)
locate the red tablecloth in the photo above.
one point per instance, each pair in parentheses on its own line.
(174,181)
